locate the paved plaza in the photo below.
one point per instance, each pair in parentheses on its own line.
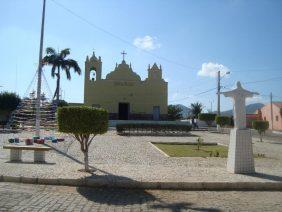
(133,158)
(26,197)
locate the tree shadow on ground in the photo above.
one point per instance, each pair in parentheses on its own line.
(144,199)
(265,176)
(123,196)
(64,154)
(116,196)
(178,207)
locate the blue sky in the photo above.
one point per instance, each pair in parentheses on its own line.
(242,36)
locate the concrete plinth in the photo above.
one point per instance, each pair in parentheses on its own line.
(16,155)
(240,152)
(39,156)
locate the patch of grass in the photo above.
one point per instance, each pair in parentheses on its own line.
(182,150)
(188,150)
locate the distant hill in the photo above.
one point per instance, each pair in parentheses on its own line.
(250,109)
(185,110)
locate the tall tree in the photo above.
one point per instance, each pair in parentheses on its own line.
(174,112)
(59,62)
(196,109)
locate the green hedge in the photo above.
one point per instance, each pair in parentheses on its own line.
(82,120)
(223,120)
(207,117)
(152,128)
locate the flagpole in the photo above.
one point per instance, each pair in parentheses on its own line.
(39,74)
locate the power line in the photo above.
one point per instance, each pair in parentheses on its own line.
(227,86)
(257,70)
(118,37)
(257,81)
(95,26)
(266,80)
(194,95)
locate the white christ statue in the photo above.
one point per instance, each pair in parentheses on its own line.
(240,151)
(239,96)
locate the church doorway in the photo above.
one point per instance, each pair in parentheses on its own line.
(156,113)
(123,111)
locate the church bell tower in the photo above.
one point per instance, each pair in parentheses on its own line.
(93,74)
(93,68)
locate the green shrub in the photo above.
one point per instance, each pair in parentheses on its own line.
(84,123)
(62,103)
(152,128)
(261,127)
(207,117)
(174,112)
(223,120)
(9,101)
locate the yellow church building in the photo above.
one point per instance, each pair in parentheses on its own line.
(123,93)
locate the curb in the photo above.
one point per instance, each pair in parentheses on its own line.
(129,184)
(161,151)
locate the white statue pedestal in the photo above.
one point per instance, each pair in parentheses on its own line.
(240,152)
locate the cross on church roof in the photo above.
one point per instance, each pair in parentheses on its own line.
(123,53)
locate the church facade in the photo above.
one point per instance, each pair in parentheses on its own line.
(123,93)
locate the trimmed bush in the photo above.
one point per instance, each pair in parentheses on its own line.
(152,128)
(261,127)
(207,117)
(9,101)
(223,120)
(84,123)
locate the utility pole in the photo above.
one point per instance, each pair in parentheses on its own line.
(211,106)
(218,93)
(271,110)
(39,73)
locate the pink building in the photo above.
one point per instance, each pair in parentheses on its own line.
(276,117)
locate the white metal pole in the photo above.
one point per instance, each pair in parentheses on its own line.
(218,93)
(37,122)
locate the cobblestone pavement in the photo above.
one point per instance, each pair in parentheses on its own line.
(134,158)
(25,197)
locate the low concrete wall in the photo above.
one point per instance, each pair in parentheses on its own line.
(113,123)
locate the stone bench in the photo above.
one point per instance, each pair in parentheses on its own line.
(16,152)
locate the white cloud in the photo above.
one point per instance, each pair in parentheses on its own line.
(210,69)
(146,43)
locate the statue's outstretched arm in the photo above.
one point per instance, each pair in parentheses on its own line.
(228,93)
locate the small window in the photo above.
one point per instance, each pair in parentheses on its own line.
(264,118)
(277,118)
(92,76)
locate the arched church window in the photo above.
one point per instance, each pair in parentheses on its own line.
(92,75)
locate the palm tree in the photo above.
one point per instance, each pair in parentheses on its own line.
(196,109)
(59,62)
